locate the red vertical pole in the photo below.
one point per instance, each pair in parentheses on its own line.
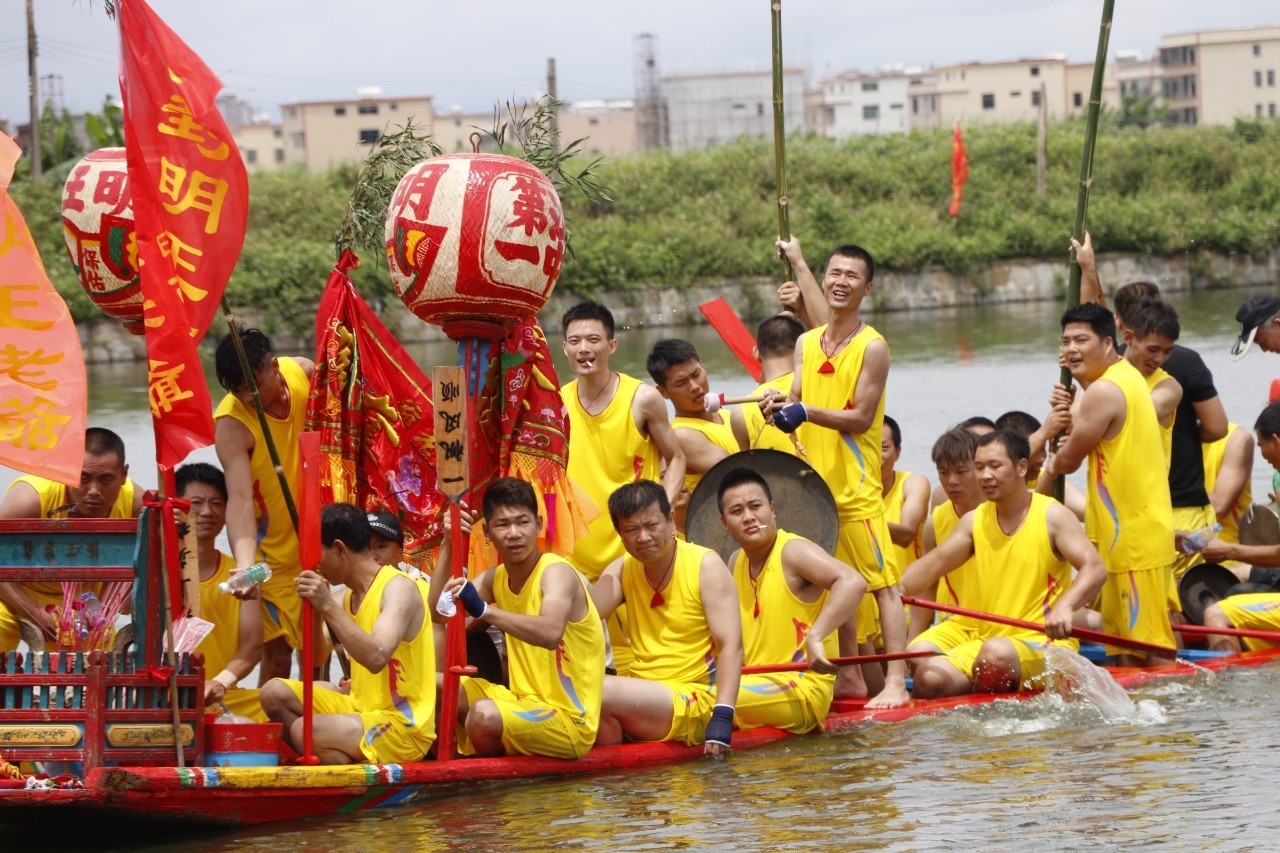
(309,558)
(454,644)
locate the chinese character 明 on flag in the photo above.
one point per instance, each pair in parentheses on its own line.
(43,392)
(959,170)
(190,205)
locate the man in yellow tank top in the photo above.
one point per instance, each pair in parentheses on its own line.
(1228,469)
(234,646)
(105,491)
(705,436)
(1261,557)
(1023,547)
(386,714)
(1149,337)
(792,597)
(686,633)
(555,641)
(258,522)
(838,407)
(1128,512)
(775,348)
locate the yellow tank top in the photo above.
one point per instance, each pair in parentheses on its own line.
(408,682)
(775,622)
(53,496)
(1128,513)
(671,641)
(1213,455)
(720,434)
(1016,575)
(904,556)
(951,588)
(570,677)
(763,435)
(276,537)
(605,451)
(1166,432)
(223,610)
(850,464)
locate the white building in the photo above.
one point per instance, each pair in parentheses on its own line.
(859,104)
(705,110)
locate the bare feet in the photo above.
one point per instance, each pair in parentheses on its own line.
(894,695)
(850,683)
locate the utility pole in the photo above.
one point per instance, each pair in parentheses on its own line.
(1042,133)
(555,110)
(33,83)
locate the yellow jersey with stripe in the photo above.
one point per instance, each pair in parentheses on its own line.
(1166,432)
(850,463)
(1016,574)
(1213,455)
(276,537)
(904,555)
(406,686)
(720,434)
(606,451)
(670,637)
(1128,514)
(764,435)
(570,677)
(951,586)
(774,621)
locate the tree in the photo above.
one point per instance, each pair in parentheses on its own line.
(1141,111)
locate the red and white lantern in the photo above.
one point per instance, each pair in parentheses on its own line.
(97,217)
(475,242)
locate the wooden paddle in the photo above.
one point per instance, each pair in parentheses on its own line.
(1079,633)
(803,665)
(1206,631)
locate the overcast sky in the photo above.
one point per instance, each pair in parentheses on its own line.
(471,53)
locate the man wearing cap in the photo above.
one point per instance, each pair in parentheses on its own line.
(1259,319)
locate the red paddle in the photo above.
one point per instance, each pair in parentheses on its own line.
(733,332)
(803,665)
(1079,633)
(1206,631)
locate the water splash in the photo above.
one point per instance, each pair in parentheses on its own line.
(1071,678)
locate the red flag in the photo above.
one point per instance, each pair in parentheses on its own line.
(959,170)
(43,392)
(190,205)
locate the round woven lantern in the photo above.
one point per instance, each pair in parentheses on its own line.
(97,218)
(475,242)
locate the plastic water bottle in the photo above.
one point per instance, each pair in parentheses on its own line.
(240,581)
(90,611)
(226,715)
(1196,541)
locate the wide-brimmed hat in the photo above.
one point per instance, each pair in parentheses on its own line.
(387,526)
(1254,311)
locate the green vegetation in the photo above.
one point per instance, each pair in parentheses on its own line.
(677,220)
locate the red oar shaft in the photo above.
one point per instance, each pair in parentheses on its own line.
(1079,633)
(1206,631)
(802,665)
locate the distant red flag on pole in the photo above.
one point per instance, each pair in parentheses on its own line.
(190,205)
(959,170)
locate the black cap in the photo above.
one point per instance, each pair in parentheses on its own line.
(387,526)
(1253,313)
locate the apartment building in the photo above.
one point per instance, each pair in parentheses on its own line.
(608,128)
(261,146)
(857,104)
(321,134)
(1217,76)
(705,110)
(1137,75)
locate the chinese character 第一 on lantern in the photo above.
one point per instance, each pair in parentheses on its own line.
(475,242)
(97,217)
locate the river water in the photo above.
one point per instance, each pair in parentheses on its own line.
(1194,771)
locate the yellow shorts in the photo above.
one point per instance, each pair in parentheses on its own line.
(1257,610)
(1135,605)
(245,702)
(869,622)
(1189,518)
(388,737)
(859,546)
(691,706)
(947,635)
(530,728)
(1030,648)
(281,609)
(792,701)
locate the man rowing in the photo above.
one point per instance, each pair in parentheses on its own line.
(686,634)
(792,597)
(836,406)
(555,641)
(1022,547)
(1265,557)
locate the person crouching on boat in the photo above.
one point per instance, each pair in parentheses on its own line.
(792,597)
(387,712)
(555,641)
(233,648)
(1023,547)
(105,491)
(685,630)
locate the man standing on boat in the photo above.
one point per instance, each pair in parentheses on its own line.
(1127,508)
(386,714)
(792,597)
(555,641)
(105,491)
(837,406)
(258,522)
(686,633)
(618,430)
(1021,548)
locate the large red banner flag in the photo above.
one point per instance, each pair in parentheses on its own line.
(43,392)
(959,170)
(190,206)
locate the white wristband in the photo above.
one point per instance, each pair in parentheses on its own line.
(226,678)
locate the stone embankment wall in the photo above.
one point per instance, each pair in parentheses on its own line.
(1007,281)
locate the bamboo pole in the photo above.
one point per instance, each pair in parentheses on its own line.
(780,137)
